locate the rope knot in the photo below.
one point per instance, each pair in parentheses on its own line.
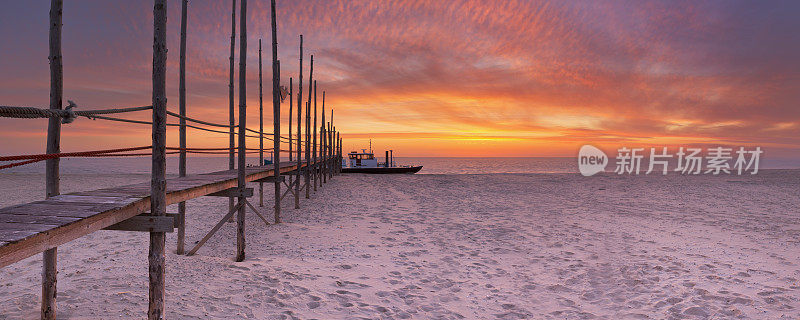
(70,116)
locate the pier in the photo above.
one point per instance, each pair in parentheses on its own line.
(41,226)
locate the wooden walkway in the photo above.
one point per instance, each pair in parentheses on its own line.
(31,228)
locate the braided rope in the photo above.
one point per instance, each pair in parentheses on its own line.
(200,121)
(67,114)
(11,165)
(89,113)
(45,156)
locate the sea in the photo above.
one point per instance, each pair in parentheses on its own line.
(431,165)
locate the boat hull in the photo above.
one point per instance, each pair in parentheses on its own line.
(383,170)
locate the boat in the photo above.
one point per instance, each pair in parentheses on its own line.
(365,162)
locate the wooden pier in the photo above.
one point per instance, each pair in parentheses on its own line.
(41,226)
(32,228)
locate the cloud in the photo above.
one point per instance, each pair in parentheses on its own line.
(545,71)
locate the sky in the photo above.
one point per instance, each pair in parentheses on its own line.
(434,78)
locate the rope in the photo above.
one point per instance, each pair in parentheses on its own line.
(129,154)
(211,149)
(67,114)
(11,165)
(199,121)
(178,125)
(90,113)
(45,156)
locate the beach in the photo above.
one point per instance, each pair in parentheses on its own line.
(450,246)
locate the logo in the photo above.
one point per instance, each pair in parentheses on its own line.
(591,160)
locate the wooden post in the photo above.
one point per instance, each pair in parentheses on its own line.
(329,150)
(336,143)
(332,151)
(276,115)
(324,140)
(158,183)
(231,119)
(52,188)
(242,124)
(321,152)
(308,130)
(386,164)
(182,128)
(261,127)
(299,139)
(291,103)
(314,145)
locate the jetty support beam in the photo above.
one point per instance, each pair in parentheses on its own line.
(158,183)
(240,242)
(182,128)
(276,117)
(50,256)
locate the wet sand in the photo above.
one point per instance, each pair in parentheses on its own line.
(507,246)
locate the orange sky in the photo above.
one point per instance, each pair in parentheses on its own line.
(438,78)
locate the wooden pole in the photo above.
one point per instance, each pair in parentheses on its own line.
(338,145)
(291,102)
(332,151)
(335,140)
(299,139)
(242,123)
(315,175)
(261,127)
(331,144)
(52,188)
(324,139)
(308,130)
(338,152)
(276,114)
(231,119)
(182,129)
(158,183)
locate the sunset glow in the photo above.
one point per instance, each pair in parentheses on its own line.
(436,78)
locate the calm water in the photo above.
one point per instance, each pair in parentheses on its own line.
(141,165)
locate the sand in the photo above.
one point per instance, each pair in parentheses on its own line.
(507,246)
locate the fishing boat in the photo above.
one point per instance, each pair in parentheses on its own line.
(365,162)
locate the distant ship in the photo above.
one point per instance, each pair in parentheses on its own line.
(365,162)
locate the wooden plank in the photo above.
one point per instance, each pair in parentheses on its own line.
(51,220)
(36,243)
(70,198)
(20,226)
(12,231)
(272,179)
(144,223)
(61,210)
(232,192)
(12,236)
